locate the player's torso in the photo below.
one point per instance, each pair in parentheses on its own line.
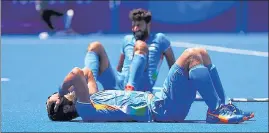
(155,59)
(155,55)
(122,105)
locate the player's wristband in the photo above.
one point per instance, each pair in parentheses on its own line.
(62,92)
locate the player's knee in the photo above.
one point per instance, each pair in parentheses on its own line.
(192,57)
(202,51)
(77,71)
(189,52)
(205,56)
(141,47)
(87,72)
(196,52)
(95,47)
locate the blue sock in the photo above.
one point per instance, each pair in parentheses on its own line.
(137,69)
(217,83)
(91,61)
(67,21)
(201,80)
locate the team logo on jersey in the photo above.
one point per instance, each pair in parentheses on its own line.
(140,110)
(154,76)
(152,48)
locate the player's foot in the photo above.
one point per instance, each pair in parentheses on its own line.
(247,115)
(224,115)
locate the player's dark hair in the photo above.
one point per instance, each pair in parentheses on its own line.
(140,14)
(60,115)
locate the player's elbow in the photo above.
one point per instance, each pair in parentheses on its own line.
(169,55)
(77,72)
(119,68)
(120,63)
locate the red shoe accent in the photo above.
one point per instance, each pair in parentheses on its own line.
(129,88)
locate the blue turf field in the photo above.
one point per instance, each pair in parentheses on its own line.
(35,68)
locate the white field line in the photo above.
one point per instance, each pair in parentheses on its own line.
(220,49)
(4,79)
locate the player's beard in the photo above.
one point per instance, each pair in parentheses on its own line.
(141,35)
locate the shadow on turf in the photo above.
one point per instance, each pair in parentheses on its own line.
(185,121)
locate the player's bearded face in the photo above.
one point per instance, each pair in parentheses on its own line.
(140,30)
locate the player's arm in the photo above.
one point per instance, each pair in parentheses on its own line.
(122,53)
(168,52)
(120,63)
(169,55)
(81,81)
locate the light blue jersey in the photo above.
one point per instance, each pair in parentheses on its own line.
(157,46)
(128,50)
(116,105)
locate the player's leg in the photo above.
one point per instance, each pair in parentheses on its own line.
(46,15)
(96,58)
(97,61)
(218,85)
(185,76)
(177,93)
(201,79)
(68,19)
(200,76)
(214,75)
(137,67)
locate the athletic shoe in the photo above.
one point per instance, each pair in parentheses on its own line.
(247,115)
(224,115)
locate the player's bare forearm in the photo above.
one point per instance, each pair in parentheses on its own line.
(170,58)
(67,82)
(119,67)
(67,85)
(120,64)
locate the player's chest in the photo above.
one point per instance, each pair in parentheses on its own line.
(154,47)
(151,46)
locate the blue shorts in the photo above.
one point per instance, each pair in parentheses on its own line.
(176,98)
(116,105)
(112,79)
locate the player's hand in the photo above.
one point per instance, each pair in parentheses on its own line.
(55,98)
